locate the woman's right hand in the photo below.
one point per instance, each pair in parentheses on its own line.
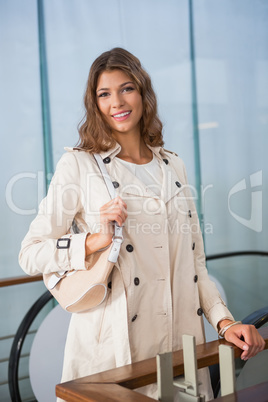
(114,211)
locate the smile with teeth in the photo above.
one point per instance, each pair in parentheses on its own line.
(122,115)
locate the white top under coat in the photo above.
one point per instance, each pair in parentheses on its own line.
(149,173)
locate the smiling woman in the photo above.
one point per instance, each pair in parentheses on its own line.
(120,103)
(95,131)
(159,286)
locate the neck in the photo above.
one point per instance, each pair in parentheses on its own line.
(133,149)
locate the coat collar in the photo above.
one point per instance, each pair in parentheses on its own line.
(111,153)
(170,177)
(159,152)
(129,181)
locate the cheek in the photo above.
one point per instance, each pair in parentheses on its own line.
(101,102)
(102,108)
(139,105)
(99,105)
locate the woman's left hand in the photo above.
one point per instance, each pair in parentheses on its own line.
(253,342)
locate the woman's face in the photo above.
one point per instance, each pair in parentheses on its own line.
(119,102)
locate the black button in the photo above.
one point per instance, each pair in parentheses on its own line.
(196,278)
(166,161)
(189,213)
(178,183)
(200,311)
(134,318)
(193,246)
(107,160)
(136,281)
(116,184)
(129,248)
(110,285)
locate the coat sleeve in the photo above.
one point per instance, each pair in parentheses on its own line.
(211,302)
(39,252)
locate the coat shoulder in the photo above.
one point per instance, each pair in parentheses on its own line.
(176,161)
(170,152)
(74,163)
(78,154)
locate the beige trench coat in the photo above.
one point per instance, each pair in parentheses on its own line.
(159,286)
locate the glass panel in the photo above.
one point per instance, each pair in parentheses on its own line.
(232,72)
(244,280)
(21,125)
(97,27)
(21,179)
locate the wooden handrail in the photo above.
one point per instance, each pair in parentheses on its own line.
(18,280)
(27,279)
(117,384)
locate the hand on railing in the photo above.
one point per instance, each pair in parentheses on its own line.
(245,337)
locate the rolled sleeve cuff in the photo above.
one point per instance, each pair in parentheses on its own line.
(217,313)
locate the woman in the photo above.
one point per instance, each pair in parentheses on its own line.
(160,286)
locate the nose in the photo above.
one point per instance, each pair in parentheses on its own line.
(117,100)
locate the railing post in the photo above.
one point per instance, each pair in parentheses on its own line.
(188,384)
(165,377)
(227,369)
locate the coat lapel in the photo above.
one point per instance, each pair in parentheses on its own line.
(130,185)
(172,184)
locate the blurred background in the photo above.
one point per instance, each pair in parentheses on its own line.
(208,61)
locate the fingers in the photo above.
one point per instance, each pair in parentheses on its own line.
(233,337)
(114,210)
(253,342)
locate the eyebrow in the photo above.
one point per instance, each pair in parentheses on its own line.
(121,85)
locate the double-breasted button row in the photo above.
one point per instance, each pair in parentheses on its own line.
(129,248)
(200,311)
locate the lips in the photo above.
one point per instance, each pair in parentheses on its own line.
(122,115)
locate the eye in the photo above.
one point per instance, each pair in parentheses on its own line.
(103,95)
(128,89)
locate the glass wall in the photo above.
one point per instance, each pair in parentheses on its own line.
(224,71)
(231,57)
(22,166)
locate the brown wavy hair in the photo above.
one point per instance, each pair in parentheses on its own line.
(95,134)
